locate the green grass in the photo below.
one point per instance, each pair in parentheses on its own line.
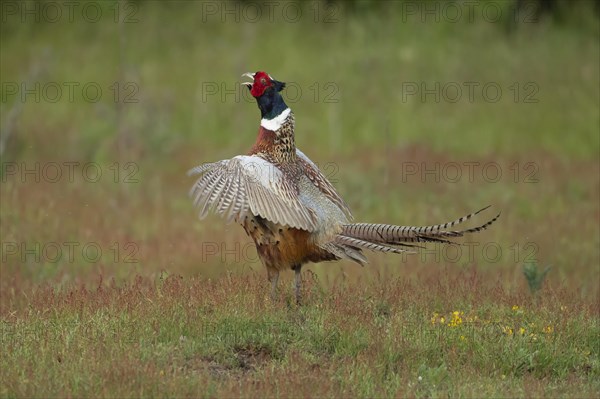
(197,337)
(116,326)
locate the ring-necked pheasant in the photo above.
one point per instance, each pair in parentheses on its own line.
(288,207)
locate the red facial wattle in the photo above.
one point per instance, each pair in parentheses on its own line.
(262,81)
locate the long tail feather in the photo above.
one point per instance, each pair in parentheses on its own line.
(356,242)
(386,237)
(398,235)
(343,251)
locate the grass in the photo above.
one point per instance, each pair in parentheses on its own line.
(451,335)
(188,336)
(172,306)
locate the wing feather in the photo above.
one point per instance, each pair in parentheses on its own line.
(232,188)
(324,185)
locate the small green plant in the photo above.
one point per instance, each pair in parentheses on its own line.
(534,276)
(433,380)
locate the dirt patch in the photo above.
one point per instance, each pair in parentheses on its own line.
(247,359)
(251,357)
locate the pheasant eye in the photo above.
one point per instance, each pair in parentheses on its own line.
(263,81)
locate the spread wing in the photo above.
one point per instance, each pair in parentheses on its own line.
(244,185)
(319,180)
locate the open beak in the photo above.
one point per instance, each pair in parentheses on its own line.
(251,76)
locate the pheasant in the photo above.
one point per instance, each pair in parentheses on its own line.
(288,207)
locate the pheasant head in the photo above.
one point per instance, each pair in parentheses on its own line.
(276,133)
(266,91)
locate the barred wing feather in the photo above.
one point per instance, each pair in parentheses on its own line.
(249,184)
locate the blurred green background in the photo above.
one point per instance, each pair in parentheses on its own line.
(382,91)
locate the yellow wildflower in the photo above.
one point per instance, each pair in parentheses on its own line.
(521,331)
(456,319)
(515,308)
(533,336)
(548,329)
